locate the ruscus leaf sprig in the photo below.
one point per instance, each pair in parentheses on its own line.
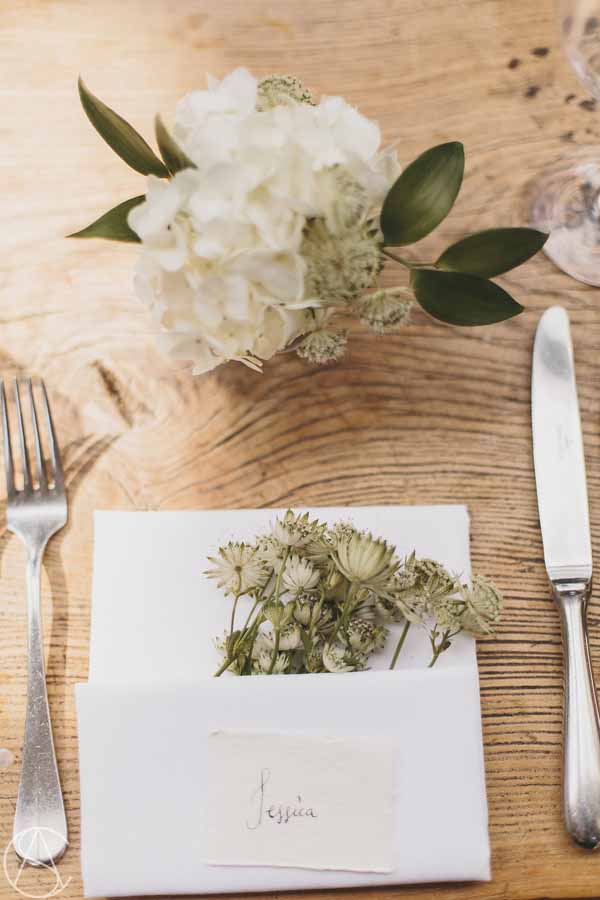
(308,598)
(456,288)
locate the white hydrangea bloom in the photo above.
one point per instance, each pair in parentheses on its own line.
(222,266)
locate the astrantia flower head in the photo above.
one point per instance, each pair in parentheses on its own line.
(322,346)
(275,613)
(292,530)
(237,569)
(299,576)
(402,599)
(385,309)
(340,266)
(318,548)
(303,613)
(290,638)
(264,663)
(338,658)
(447,612)
(281,90)
(432,580)
(363,559)
(366,636)
(270,551)
(341,531)
(483,606)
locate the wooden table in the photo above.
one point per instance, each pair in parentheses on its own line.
(432,415)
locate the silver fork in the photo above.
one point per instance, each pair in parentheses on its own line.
(35,513)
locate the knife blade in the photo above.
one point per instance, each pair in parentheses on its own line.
(558,451)
(564,519)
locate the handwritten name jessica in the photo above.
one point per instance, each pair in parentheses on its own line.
(280,813)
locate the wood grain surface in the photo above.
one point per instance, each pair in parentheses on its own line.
(432,415)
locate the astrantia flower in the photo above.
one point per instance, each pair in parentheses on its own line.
(303,613)
(337,658)
(432,581)
(340,266)
(273,223)
(483,606)
(322,346)
(363,559)
(341,531)
(447,613)
(291,530)
(279,90)
(237,569)
(402,599)
(274,612)
(385,309)
(366,636)
(289,639)
(263,663)
(299,575)
(271,551)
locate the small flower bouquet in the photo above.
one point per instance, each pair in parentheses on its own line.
(320,599)
(269,215)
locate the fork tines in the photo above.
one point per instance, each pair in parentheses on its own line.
(44,475)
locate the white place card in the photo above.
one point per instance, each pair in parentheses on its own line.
(302,802)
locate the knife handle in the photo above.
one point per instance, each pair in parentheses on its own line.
(581,774)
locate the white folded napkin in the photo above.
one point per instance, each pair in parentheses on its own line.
(146,713)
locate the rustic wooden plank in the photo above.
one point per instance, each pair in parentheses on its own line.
(431,415)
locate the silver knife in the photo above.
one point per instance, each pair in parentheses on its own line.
(565,524)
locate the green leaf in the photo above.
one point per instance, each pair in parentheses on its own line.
(423,195)
(174,157)
(120,136)
(113,224)
(490,253)
(461,299)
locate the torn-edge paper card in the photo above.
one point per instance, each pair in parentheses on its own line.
(292,800)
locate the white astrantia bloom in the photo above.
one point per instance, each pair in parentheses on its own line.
(337,658)
(291,530)
(385,309)
(483,606)
(271,551)
(273,223)
(263,664)
(289,639)
(299,575)
(237,569)
(365,560)
(322,346)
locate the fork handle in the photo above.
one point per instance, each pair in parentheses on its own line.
(581,776)
(40,826)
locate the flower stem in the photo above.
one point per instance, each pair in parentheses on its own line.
(399,645)
(235,603)
(276,592)
(407,263)
(399,259)
(223,667)
(434,658)
(275,651)
(440,646)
